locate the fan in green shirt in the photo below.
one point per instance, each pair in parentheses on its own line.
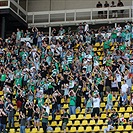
(122,47)
(44,117)
(106,44)
(3,77)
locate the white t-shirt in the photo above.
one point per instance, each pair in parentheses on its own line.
(96,102)
(118,77)
(124,88)
(47,108)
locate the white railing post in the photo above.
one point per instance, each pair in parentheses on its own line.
(49,34)
(108,13)
(65,17)
(49,17)
(33,19)
(91,15)
(9,3)
(130,12)
(75,15)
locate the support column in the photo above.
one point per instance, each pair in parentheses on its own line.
(3,28)
(115,25)
(49,34)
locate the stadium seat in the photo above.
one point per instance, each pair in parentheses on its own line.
(84,123)
(128,128)
(73,130)
(72,117)
(122,109)
(57,130)
(100,122)
(80,129)
(69,123)
(12,131)
(92,122)
(60,123)
(126,115)
(129,109)
(96,128)
(58,117)
(88,116)
(76,123)
(103,116)
(88,129)
(83,111)
(80,117)
(54,123)
(120,128)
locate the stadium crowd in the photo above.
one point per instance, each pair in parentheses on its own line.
(38,78)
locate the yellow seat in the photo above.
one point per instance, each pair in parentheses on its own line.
(128,128)
(126,115)
(122,109)
(96,128)
(120,128)
(62,100)
(69,123)
(60,123)
(88,129)
(84,123)
(50,118)
(102,105)
(88,116)
(103,127)
(83,111)
(12,131)
(58,117)
(76,123)
(54,123)
(94,49)
(103,116)
(34,130)
(1,93)
(116,104)
(92,122)
(65,106)
(73,130)
(97,44)
(80,117)
(72,117)
(57,130)
(100,122)
(129,109)
(80,129)
(101,58)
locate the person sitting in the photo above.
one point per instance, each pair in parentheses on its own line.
(110,125)
(123,99)
(115,117)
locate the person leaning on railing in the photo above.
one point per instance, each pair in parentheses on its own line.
(120,4)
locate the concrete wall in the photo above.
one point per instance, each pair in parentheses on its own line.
(44,5)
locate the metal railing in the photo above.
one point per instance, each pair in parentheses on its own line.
(71,17)
(15,7)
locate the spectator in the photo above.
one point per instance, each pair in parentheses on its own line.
(106,4)
(124,88)
(115,117)
(37,118)
(123,99)
(114,12)
(3,121)
(72,104)
(99,5)
(96,106)
(61,31)
(109,101)
(120,4)
(22,118)
(65,119)
(44,120)
(130,120)
(110,125)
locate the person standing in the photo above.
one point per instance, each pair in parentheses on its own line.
(65,118)
(72,104)
(99,5)
(44,120)
(22,122)
(109,101)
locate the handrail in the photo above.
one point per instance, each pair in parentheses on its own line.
(54,18)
